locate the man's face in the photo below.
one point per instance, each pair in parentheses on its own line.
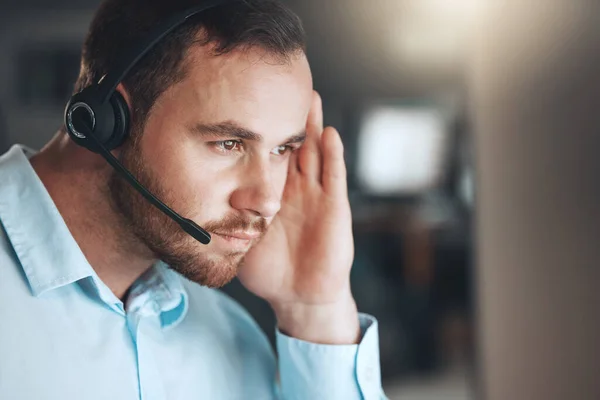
(216,149)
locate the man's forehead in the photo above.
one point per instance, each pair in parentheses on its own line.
(257,94)
(243,62)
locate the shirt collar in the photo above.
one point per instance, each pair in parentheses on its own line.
(159,290)
(50,256)
(48,253)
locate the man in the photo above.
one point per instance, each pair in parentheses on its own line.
(104,297)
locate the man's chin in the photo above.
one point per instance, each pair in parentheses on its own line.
(210,273)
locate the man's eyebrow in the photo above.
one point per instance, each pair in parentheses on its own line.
(230,129)
(297,138)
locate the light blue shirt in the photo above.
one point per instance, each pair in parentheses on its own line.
(64,335)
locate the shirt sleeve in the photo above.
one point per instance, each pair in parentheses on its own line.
(345,372)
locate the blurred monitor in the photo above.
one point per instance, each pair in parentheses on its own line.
(46,73)
(401,150)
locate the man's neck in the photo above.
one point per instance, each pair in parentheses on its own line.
(83,200)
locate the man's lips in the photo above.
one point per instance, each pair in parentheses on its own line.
(239,235)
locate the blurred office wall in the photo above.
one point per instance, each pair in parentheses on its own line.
(536,94)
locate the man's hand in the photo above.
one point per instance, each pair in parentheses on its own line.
(302,264)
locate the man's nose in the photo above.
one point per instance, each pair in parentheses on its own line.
(257,193)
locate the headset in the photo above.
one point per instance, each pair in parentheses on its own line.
(98,119)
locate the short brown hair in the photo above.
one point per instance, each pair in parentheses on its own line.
(243,24)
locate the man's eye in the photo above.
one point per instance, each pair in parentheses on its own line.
(229,145)
(282,150)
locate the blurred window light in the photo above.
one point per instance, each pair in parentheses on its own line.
(460,12)
(434,33)
(401,150)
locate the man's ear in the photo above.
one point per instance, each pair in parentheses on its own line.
(121,89)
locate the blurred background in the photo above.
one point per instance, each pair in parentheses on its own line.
(392,78)
(399,81)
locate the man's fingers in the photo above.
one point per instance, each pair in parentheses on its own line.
(293,167)
(334,167)
(315,115)
(310,155)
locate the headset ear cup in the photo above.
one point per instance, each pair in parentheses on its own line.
(122,121)
(99,116)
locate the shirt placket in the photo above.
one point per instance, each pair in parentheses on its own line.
(143,321)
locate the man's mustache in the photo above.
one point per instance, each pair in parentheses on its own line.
(237,223)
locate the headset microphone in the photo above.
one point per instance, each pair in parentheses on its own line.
(97,118)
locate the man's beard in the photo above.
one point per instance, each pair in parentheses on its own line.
(164,237)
